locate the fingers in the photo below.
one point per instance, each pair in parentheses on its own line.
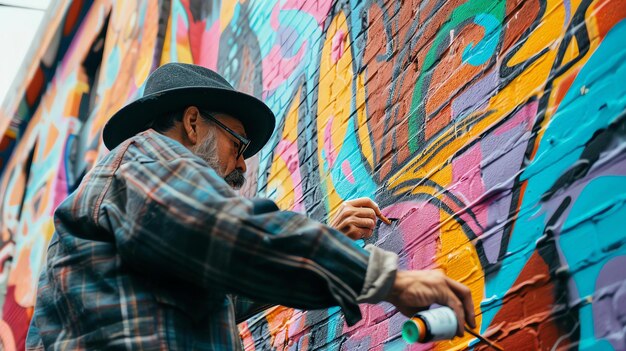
(446,296)
(465,295)
(364,223)
(359,229)
(355,222)
(348,211)
(455,304)
(415,289)
(365,202)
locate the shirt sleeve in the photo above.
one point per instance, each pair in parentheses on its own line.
(179,218)
(246,308)
(380,276)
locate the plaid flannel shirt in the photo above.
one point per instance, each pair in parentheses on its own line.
(154,251)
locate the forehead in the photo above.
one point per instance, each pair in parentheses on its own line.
(231,122)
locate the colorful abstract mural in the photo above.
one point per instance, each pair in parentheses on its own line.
(495,131)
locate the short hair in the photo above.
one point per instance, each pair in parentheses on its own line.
(166,122)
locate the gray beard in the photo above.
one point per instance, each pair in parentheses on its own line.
(207,150)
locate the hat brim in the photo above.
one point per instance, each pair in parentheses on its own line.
(256,117)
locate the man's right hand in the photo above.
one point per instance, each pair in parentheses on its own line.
(414,291)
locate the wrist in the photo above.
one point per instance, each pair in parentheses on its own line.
(396,289)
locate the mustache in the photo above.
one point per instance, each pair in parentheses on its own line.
(236,179)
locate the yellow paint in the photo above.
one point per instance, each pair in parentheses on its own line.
(335,93)
(545,35)
(527,84)
(183,48)
(147,44)
(280,179)
(165,54)
(280,183)
(51,140)
(278,320)
(361,113)
(571,52)
(49,230)
(227,12)
(458,258)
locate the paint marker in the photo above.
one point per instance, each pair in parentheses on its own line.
(483,339)
(386,220)
(431,325)
(436,324)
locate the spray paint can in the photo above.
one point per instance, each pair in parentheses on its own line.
(435,324)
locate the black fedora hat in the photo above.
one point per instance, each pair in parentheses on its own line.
(175,86)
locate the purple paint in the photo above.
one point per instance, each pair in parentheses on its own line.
(609,303)
(475,97)
(418,229)
(504,152)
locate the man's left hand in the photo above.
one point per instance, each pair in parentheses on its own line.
(356,218)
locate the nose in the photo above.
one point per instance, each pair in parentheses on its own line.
(241,164)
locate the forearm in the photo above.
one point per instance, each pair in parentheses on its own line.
(215,241)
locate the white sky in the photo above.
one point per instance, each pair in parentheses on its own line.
(19,21)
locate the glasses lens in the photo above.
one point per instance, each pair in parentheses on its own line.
(242,148)
(243,142)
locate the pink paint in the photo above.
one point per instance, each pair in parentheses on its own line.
(288,152)
(318,9)
(297,325)
(526,116)
(60,186)
(346,169)
(373,331)
(60,183)
(246,336)
(182,31)
(202,39)
(419,228)
(468,186)
(338,44)
(277,69)
(208,55)
(274,21)
(329,148)
(367,334)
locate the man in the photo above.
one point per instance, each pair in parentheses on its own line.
(156,251)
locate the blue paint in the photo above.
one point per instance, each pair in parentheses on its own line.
(280,99)
(589,245)
(112,70)
(396,345)
(142,17)
(364,185)
(334,321)
(178,12)
(478,54)
(260,23)
(574,123)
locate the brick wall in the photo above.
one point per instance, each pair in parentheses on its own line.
(494,131)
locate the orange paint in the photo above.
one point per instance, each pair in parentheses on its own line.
(34,88)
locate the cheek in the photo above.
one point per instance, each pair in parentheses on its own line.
(227,161)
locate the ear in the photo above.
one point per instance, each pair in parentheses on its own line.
(190,124)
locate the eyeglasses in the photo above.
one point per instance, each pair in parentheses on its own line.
(243,142)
